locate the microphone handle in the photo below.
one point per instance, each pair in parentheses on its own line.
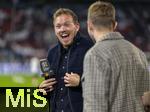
(46,75)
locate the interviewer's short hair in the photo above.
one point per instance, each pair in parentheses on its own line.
(101,14)
(66,11)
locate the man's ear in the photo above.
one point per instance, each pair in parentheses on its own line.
(115,25)
(77,26)
(90,25)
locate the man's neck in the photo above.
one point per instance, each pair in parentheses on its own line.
(98,35)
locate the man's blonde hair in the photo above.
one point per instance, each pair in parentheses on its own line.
(102,14)
(66,11)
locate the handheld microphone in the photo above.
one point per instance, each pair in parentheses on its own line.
(47,73)
(45,68)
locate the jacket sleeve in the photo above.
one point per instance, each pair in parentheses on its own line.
(89,43)
(95,83)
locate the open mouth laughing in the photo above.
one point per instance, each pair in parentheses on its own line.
(65,36)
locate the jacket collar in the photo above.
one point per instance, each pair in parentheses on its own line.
(111,36)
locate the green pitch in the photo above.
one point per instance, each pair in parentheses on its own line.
(20,80)
(15,81)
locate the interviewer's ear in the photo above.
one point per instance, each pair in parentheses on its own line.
(115,25)
(89,25)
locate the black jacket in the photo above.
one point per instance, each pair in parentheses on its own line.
(74,64)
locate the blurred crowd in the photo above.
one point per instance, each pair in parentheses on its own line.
(24,33)
(27,32)
(134,23)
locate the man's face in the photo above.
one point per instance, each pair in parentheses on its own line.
(65,29)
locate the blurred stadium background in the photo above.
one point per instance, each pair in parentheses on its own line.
(26,33)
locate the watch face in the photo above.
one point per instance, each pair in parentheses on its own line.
(44,65)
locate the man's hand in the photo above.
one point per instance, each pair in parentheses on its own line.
(71,80)
(146,101)
(47,85)
(146,98)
